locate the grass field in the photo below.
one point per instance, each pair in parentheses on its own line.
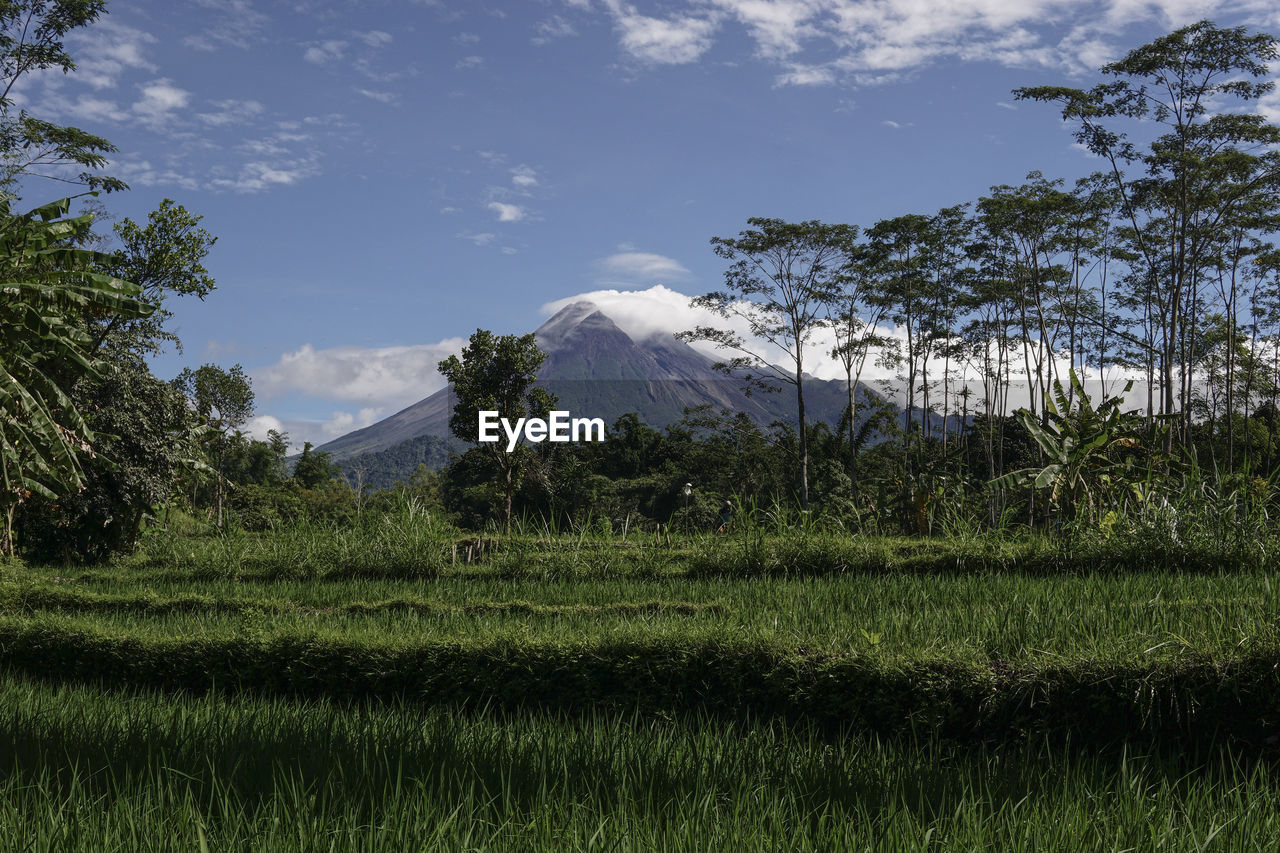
(409,687)
(95,770)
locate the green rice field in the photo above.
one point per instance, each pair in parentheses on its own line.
(415,688)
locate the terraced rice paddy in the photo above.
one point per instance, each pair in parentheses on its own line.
(422,690)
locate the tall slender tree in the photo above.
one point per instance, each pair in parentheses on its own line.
(780,276)
(1210,161)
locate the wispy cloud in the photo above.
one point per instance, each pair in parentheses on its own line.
(634,268)
(380,97)
(229,23)
(232,111)
(375,38)
(550,29)
(257,176)
(806,75)
(107,50)
(143,173)
(324,52)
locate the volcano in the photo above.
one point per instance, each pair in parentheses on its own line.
(596,370)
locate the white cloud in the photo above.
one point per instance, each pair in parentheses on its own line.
(160,100)
(871,42)
(1269,106)
(674,41)
(143,173)
(640,268)
(779,27)
(84,108)
(661,311)
(468,62)
(108,49)
(325,52)
(481,239)
(258,426)
(524,177)
(259,175)
(377,378)
(508,212)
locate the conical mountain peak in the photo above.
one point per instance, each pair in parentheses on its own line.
(556,330)
(596,369)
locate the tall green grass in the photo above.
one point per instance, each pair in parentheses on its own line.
(966,615)
(90,770)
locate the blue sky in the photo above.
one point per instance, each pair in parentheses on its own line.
(385,177)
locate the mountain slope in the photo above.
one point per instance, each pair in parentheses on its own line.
(597,370)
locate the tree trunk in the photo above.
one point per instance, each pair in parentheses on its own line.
(6,535)
(508,495)
(853,417)
(804,443)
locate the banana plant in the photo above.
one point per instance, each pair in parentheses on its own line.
(49,285)
(1079,441)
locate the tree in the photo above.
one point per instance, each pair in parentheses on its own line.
(1028,226)
(46,286)
(31,39)
(224,400)
(165,258)
(313,470)
(854,311)
(899,257)
(1211,163)
(496,373)
(780,276)
(147,439)
(148,435)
